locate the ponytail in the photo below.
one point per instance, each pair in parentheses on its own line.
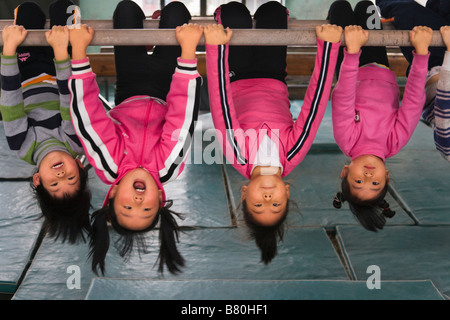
(99,240)
(372,215)
(168,238)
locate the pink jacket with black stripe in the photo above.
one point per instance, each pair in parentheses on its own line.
(245,110)
(141,131)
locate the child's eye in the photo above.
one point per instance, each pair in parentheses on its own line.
(127,207)
(54,185)
(276,204)
(258,205)
(375,183)
(358,181)
(147,209)
(71,178)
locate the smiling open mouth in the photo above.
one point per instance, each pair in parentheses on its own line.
(139,186)
(58,165)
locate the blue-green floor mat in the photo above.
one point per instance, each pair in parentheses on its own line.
(19,217)
(210,253)
(19,230)
(261,290)
(421,178)
(198,192)
(400,252)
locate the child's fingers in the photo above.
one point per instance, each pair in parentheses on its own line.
(329,32)
(353,27)
(423,29)
(229,32)
(216,34)
(445,29)
(425,32)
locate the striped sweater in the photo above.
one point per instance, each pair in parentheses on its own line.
(246,111)
(142,131)
(36,112)
(438,111)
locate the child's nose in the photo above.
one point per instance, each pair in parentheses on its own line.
(138,198)
(267,196)
(60,174)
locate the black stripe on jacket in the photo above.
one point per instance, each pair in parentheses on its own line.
(187,142)
(86,135)
(225,107)
(315,103)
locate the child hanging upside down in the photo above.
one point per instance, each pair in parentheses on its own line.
(35,108)
(369,124)
(250,108)
(133,147)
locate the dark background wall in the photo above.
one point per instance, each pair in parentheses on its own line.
(7,7)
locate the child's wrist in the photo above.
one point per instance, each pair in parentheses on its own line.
(78,53)
(421,51)
(61,53)
(188,53)
(9,50)
(353,49)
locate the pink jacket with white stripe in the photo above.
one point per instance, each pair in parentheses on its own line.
(142,131)
(245,110)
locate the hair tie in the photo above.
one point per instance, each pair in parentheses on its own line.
(168,203)
(387,212)
(338,200)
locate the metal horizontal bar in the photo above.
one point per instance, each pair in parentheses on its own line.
(252,37)
(153,24)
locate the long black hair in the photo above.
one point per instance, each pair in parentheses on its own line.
(266,237)
(99,242)
(66,218)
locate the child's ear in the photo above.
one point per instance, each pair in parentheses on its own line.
(244,192)
(344,171)
(79,163)
(113,191)
(36,180)
(288,191)
(160,195)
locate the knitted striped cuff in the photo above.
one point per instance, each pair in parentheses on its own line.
(187,66)
(9,65)
(81,66)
